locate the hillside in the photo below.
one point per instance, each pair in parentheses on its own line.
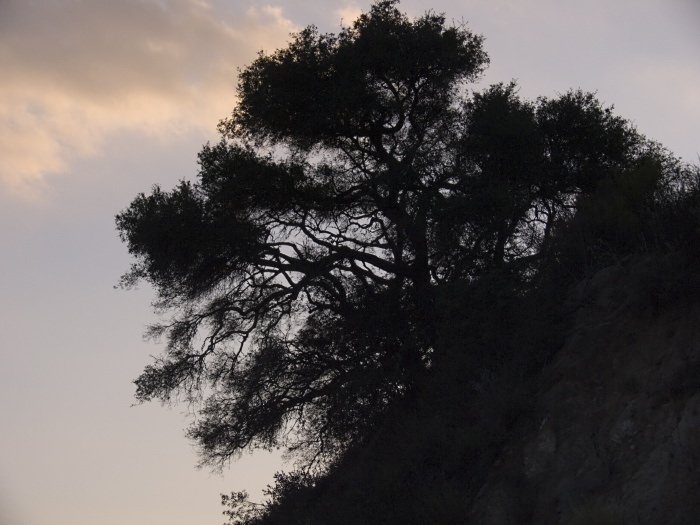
(605,430)
(615,437)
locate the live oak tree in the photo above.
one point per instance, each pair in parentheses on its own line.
(356,178)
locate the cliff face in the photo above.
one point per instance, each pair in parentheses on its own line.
(615,435)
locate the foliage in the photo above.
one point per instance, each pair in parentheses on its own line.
(355,184)
(648,207)
(240,510)
(288,497)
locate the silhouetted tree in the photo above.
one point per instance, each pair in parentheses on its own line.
(355,178)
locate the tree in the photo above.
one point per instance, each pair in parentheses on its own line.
(356,178)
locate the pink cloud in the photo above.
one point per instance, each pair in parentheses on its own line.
(77,70)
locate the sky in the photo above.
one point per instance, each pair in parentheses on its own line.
(101,99)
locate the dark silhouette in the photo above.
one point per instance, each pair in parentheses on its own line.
(365,240)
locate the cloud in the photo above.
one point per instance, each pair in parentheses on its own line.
(349,13)
(75,71)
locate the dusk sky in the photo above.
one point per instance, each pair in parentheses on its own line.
(99,100)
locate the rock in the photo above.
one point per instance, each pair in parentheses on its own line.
(617,430)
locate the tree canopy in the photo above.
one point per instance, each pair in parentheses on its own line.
(356,178)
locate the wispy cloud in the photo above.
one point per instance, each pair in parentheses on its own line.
(75,71)
(348,13)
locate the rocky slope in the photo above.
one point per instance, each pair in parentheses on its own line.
(542,413)
(615,436)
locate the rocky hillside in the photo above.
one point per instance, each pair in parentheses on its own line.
(603,429)
(614,437)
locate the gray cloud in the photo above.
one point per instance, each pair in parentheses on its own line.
(76,70)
